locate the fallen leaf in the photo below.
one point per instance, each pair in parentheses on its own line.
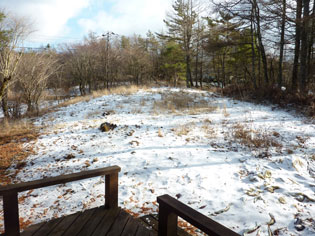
(272,220)
(222,211)
(250,231)
(272,188)
(282,200)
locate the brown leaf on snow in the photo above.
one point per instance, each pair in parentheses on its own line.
(24,223)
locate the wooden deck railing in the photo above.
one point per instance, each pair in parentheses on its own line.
(10,193)
(170,209)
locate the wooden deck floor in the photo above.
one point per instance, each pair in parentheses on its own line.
(98,221)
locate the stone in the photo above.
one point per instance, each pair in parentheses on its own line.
(105,127)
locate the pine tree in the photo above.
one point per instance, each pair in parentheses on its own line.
(181,25)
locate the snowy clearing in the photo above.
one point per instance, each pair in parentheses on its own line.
(241,164)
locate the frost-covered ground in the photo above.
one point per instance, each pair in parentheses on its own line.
(239,163)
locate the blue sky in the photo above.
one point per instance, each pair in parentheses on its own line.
(59,21)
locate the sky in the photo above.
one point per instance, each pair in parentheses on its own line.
(66,21)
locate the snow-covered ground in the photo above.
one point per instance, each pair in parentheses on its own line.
(199,155)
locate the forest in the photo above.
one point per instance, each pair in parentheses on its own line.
(216,110)
(248,48)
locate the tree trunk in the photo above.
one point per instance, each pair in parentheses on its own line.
(259,69)
(310,44)
(281,42)
(30,107)
(261,46)
(253,75)
(201,68)
(196,65)
(3,87)
(82,88)
(189,81)
(175,80)
(4,100)
(304,45)
(297,44)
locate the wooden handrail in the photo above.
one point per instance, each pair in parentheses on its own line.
(10,193)
(61,179)
(169,210)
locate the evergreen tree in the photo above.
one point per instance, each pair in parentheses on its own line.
(174,65)
(181,24)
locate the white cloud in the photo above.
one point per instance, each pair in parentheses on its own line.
(128,17)
(52,17)
(49,16)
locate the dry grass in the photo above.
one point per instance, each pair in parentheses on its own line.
(225,113)
(183,129)
(179,102)
(121,90)
(136,110)
(208,129)
(254,138)
(92,114)
(202,106)
(12,137)
(173,102)
(75,100)
(160,133)
(299,101)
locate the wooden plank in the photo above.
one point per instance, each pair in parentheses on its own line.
(29,231)
(58,180)
(153,233)
(143,231)
(111,190)
(48,227)
(131,227)
(180,231)
(150,222)
(194,217)
(80,222)
(64,224)
(11,214)
(119,224)
(93,222)
(107,222)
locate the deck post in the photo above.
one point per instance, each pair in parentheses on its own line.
(111,190)
(11,214)
(167,221)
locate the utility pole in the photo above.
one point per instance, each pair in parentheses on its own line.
(107,35)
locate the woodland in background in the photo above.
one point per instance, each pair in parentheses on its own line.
(257,49)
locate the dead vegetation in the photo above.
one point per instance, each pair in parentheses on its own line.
(255,138)
(183,130)
(300,102)
(75,100)
(179,102)
(173,102)
(208,129)
(13,136)
(121,90)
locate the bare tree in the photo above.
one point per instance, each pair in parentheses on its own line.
(304,44)
(297,44)
(17,30)
(283,22)
(34,71)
